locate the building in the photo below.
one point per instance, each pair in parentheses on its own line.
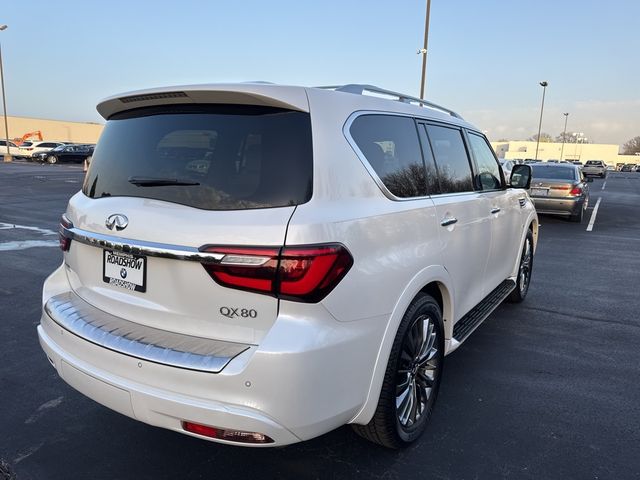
(523,150)
(53,130)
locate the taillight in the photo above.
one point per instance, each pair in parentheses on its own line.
(63,240)
(576,191)
(299,273)
(252,269)
(308,274)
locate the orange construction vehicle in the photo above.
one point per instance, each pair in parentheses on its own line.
(20,141)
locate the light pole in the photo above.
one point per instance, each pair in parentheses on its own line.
(7,157)
(564,134)
(544,89)
(423,50)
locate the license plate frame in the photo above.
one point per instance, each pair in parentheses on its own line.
(125,270)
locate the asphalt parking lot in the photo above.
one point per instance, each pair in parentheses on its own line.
(542,390)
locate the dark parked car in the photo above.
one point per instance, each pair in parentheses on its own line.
(560,189)
(65,153)
(629,167)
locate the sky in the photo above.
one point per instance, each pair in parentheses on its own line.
(485,58)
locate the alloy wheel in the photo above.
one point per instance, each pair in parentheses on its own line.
(525,266)
(417,373)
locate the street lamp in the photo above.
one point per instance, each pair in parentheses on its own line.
(544,89)
(564,134)
(7,157)
(423,50)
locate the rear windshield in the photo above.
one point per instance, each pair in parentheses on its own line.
(213,157)
(559,173)
(594,162)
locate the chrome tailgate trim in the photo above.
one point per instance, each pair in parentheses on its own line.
(75,315)
(139,247)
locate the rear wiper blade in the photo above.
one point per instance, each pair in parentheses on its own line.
(160,182)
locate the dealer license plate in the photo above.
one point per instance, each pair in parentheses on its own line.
(125,271)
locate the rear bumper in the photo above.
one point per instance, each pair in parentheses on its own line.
(558,206)
(154,406)
(309,375)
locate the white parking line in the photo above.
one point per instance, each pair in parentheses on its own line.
(593,215)
(24,244)
(11,226)
(603,185)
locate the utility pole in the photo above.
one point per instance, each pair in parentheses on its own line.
(423,50)
(7,157)
(564,134)
(544,89)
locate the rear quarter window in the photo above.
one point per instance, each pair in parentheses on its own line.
(222,157)
(391,146)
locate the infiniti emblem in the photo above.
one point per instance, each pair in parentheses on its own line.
(117,221)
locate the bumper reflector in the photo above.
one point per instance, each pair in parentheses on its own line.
(229,435)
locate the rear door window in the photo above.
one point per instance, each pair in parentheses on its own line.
(452,161)
(390,145)
(213,157)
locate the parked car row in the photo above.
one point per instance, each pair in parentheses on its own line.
(65,153)
(28,149)
(45,151)
(630,167)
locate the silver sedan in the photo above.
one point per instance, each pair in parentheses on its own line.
(560,189)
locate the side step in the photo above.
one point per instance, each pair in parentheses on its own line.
(480,312)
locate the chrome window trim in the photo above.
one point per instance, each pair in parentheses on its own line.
(140,247)
(70,312)
(346,131)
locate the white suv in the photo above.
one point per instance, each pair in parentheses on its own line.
(259,264)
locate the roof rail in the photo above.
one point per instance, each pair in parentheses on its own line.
(358,89)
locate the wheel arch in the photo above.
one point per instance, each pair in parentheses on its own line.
(435,281)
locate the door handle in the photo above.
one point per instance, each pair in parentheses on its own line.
(448,221)
(495,210)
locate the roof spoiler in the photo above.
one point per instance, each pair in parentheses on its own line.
(260,94)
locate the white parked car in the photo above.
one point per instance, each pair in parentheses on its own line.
(28,149)
(14,151)
(267,263)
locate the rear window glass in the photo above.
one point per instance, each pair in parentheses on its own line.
(559,173)
(594,162)
(213,157)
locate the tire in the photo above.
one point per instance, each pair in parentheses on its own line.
(52,159)
(412,377)
(577,217)
(524,271)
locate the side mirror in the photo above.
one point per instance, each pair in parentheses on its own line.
(521,176)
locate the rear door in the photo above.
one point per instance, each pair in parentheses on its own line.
(185,179)
(465,229)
